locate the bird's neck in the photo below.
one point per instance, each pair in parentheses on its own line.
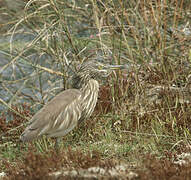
(90,88)
(89,97)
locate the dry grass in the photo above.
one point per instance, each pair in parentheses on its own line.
(142,119)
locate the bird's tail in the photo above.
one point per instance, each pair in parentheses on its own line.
(29,135)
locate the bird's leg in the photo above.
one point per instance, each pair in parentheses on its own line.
(57,144)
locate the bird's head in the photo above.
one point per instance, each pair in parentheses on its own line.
(90,70)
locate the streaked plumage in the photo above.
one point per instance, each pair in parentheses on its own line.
(60,115)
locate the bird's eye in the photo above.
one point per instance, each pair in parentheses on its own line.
(100,67)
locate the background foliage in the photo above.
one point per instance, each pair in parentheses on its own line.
(142,119)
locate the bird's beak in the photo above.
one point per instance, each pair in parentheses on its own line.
(117,67)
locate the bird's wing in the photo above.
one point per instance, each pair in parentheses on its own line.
(57,117)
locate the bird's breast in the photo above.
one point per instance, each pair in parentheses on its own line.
(89,97)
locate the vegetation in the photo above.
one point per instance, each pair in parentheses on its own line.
(140,128)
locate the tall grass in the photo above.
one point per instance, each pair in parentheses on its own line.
(144,109)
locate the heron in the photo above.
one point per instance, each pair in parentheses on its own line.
(70,107)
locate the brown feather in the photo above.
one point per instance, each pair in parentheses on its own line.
(64,111)
(45,117)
